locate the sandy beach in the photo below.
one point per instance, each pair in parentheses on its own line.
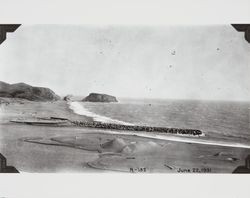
(69,148)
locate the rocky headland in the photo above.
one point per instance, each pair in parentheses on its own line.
(28,92)
(97,97)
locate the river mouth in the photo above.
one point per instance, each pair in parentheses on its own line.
(152,152)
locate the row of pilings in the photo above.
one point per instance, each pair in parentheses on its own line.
(95,124)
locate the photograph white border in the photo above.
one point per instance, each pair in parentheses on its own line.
(132,12)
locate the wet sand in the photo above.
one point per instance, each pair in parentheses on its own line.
(74,149)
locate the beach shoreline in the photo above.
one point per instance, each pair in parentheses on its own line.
(177,152)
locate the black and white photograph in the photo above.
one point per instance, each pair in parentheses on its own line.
(135,98)
(124,98)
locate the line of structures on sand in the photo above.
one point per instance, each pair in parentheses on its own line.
(102,125)
(54,121)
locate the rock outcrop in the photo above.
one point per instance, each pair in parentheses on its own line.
(96,97)
(25,91)
(67,98)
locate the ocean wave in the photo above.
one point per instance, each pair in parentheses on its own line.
(183,139)
(78,108)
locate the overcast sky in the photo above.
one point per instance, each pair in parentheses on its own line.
(184,62)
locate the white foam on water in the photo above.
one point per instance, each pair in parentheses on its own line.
(195,140)
(79,108)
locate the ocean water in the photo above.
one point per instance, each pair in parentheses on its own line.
(217,119)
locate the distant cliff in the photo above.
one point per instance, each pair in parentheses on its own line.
(96,97)
(22,90)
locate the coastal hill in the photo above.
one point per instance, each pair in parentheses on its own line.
(25,91)
(97,97)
